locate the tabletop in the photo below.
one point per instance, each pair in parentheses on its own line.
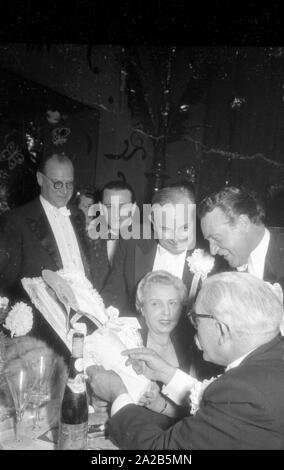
(45,436)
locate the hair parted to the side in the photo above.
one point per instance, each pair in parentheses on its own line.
(60,157)
(159,277)
(118,185)
(233,202)
(246,304)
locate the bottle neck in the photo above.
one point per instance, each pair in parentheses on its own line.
(77,345)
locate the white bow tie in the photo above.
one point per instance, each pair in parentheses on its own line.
(243,268)
(64,211)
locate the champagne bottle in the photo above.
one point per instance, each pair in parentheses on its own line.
(73,426)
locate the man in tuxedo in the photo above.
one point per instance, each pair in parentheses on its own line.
(44,234)
(116,207)
(167,247)
(232,222)
(237,317)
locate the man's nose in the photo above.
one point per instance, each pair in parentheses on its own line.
(64,190)
(213,247)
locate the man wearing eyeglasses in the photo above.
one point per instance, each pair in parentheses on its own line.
(237,319)
(44,234)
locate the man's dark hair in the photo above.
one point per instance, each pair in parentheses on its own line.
(233,202)
(118,185)
(87,192)
(61,158)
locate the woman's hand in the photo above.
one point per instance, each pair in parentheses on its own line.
(153,400)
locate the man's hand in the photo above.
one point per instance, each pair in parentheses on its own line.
(153,399)
(106,384)
(147,362)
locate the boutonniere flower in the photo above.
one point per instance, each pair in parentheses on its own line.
(19,320)
(196,393)
(200,263)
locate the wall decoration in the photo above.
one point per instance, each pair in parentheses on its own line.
(60,135)
(35,119)
(137,143)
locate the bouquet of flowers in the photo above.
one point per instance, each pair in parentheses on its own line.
(19,319)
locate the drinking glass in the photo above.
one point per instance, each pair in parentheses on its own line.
(41,392)
(20,384)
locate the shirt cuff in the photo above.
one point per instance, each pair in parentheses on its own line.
(179,387)
(122,400)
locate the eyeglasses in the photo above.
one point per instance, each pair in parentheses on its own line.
(59,184)
(192,315)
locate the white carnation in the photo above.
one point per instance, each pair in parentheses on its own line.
(19,320)
(201,263)
(196,393)
(112,313)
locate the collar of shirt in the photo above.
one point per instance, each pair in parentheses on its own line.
(54,210)
(174,263)
(163,252)
(238,361)
(257,257)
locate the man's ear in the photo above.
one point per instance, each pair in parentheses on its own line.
(133,208)
(224,332)
(151,217)
(39,178)
(103,211)
(244,222)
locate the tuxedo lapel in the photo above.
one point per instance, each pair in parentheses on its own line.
(39,225)
(187,274)
(274,260)
(144,259)
(80,232)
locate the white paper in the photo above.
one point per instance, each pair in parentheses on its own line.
(104,348)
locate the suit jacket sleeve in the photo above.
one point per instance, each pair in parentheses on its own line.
(232,415)
(10,255)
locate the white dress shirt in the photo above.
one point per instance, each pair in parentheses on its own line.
(169,262)
(256,259)
(176,390)
(64,236)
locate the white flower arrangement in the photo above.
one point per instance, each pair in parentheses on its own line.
(19,320)
(200,262)
(196,393)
